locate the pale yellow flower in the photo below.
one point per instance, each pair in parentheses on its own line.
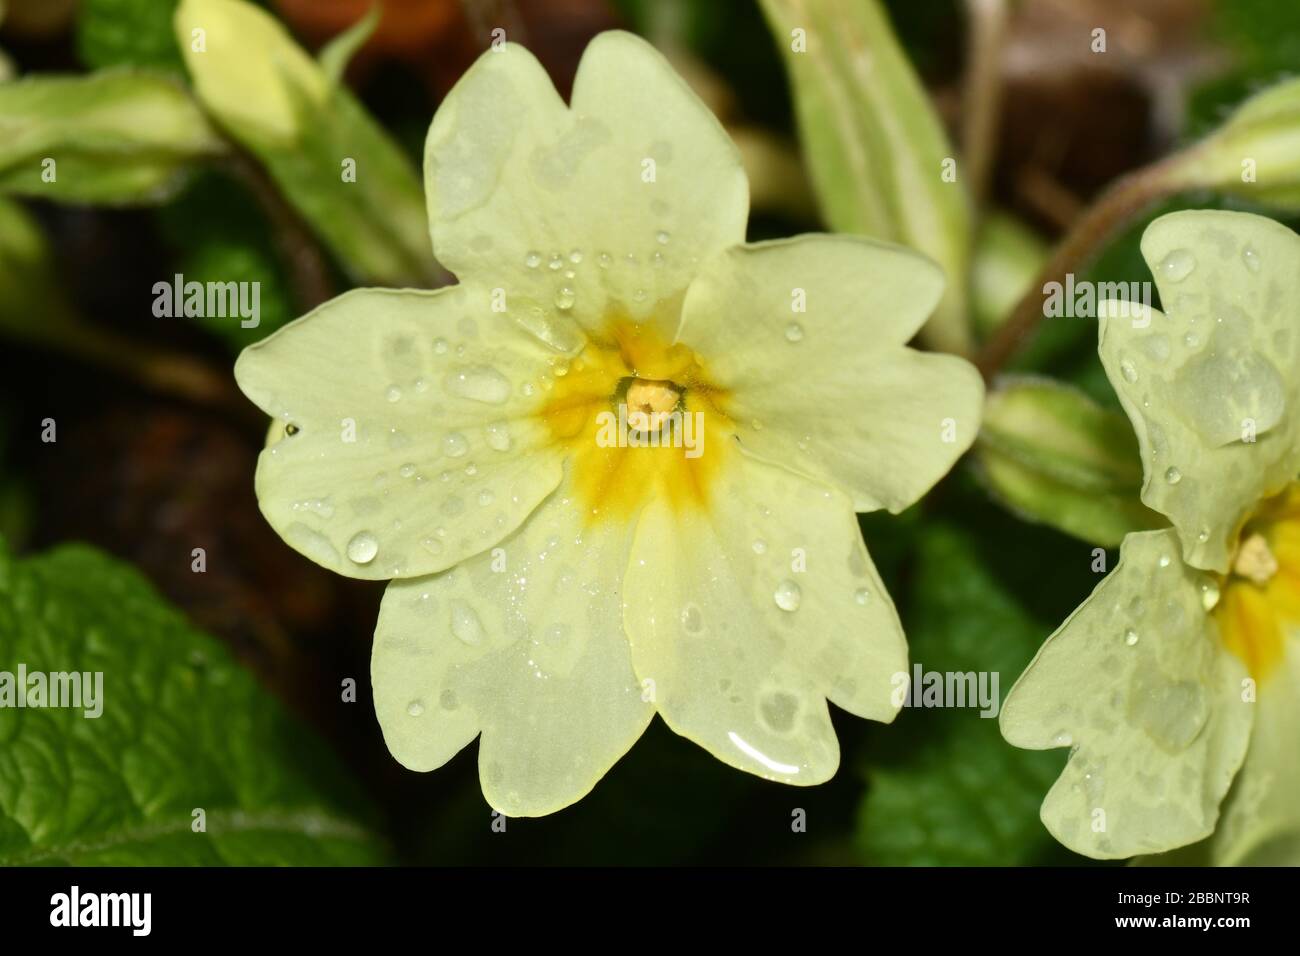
(1177,683)
(554,591)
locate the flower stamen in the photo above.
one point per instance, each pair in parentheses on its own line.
(1254,560)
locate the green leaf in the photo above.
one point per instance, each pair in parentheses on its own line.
(875,144)
(128,33)
(121,136)
(1053,455)
(956,794)
(182,727)
(334,57)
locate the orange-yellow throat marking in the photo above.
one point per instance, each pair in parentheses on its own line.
(640,419)
(1261,595)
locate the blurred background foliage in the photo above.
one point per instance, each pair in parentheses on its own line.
(155,448)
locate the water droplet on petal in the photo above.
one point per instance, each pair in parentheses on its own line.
(759,546)
(415,708)
(479,383)
(533,260)
(440,346)
(1173,475)
(862,595)
(454,445)
(1130,637)
(788,595)
(1209,595)
(1178,265)
(692,619)
(394,394)
(794,332)
(565,298)
(497,436)
(1128,370)
(363,547)
(662,238)
(1251,258)
(465,624)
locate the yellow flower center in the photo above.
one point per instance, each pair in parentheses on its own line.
(639,418)
(1261,594)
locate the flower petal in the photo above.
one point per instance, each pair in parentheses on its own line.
(579,212)
(741,646)
(1222,366)
(1137,681)
(411,446)
(831,391)
(524,644)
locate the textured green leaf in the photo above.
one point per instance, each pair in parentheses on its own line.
(1051,454)
(128,33)
(875,144)
(182,727)
(958,794)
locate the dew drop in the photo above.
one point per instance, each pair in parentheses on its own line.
(533,260)
(662,238)
(363,547)
(1164,560)
(794,332)
(1209,595)
(479,383)
(575,256)
(454,445)
(862,595)
(759,546)
(603,260)
(692,619)
(440,346)
(1178,265)
(407,470)
(565,298)
(1128,370)
(415,708)
(465,624)
(497,436)
(1173,475)
(1063,739)
(788,595)
(1251,258)
(1130,637)
(394,394)
(556,263)
(485,497)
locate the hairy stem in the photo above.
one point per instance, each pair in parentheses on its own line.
(1124,200)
